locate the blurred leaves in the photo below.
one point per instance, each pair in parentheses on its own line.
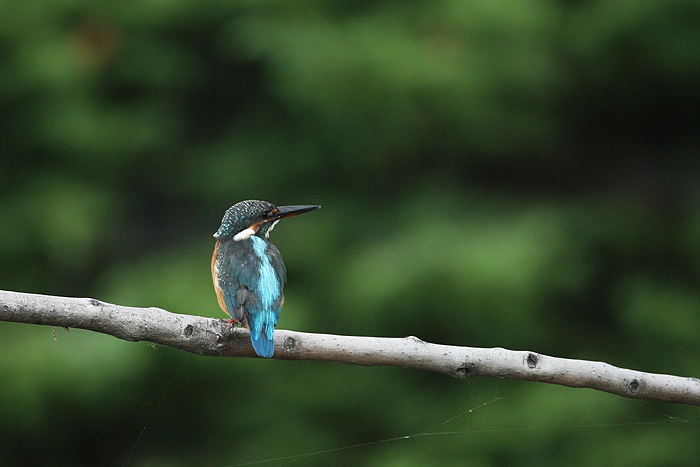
(515,174)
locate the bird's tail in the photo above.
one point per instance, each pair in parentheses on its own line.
(262,328)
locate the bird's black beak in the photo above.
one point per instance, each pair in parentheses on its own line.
(289,211)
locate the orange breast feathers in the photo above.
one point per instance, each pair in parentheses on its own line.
(217,288)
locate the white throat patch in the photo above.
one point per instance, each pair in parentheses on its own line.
(272,226)
(243,234)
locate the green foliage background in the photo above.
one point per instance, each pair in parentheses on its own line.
(513,174)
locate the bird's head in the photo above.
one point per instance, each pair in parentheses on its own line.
(255,217)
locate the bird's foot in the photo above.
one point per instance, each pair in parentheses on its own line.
(234,322)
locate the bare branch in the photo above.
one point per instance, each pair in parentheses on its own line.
(208,336)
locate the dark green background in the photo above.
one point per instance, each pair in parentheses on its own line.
(516,174)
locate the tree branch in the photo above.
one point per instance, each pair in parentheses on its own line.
(209,336)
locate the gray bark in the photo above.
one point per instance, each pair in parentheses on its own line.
(209,336)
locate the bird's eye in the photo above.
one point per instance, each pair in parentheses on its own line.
(270,214)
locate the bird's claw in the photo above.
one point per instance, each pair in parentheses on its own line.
(233,321)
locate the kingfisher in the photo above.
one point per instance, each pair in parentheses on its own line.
(248,270)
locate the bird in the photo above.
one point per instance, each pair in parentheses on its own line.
(248,271)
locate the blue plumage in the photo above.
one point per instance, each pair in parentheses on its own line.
(248,271)
(263,320)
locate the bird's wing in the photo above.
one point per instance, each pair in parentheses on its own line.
(235,301)
(235,278)
(277,263)
(238,278)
